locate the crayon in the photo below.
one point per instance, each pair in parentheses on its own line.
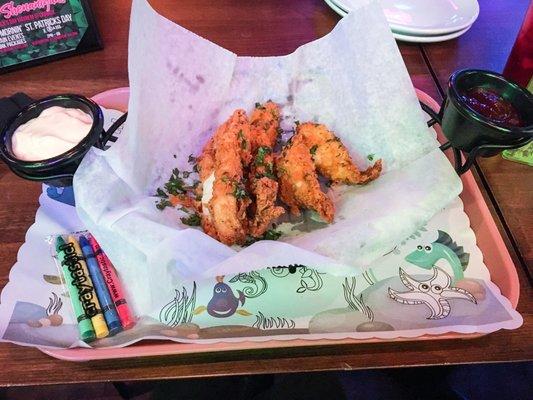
(86,291)
(84,322)
(113,284)
(108,307)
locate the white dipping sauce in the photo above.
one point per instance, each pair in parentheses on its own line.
(55,131)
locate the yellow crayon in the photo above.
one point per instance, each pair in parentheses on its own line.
(85,287)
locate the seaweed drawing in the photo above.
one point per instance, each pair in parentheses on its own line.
(356,303)
(54,305)
(282,272)
(369,276)
(263,322)
(44,317)
(258,284)
(180,309)
(310,279)
(54,279)
(395,250)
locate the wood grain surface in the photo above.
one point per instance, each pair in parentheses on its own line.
(274,27)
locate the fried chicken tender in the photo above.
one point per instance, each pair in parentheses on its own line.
(263,185)
(332,158)
(266,193)
(265,125)
(264,135)
(206,161)
(206,167)
(299,185)
(229,201)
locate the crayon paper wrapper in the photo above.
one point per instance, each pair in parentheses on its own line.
(183,86)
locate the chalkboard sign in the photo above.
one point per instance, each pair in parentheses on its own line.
(37,31)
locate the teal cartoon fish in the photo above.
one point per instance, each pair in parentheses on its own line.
(426,256)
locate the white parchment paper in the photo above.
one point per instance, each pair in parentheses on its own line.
(183,86)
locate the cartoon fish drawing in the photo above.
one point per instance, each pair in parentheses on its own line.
(443,248)
(224,303)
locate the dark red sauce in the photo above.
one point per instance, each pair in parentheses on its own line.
(493,106)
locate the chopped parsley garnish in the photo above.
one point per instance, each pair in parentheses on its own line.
(370,157)
(162,204)
(261,153)
(161,193)
(271,234)
(239,191)
(270,171)
(312,150)
(175,184)
(194,162)
(179,184)
(296,122)
(191,220)
(259,106)
(244,142)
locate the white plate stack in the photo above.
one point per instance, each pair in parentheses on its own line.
(422,21)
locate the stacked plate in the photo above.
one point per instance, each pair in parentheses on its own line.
(422,21)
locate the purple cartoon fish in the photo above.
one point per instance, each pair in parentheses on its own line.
(224,303)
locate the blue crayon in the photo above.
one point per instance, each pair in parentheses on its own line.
(108,307)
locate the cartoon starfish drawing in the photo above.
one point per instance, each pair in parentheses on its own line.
(434,293)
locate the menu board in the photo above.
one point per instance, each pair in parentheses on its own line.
(36,31)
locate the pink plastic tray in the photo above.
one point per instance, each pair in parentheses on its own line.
(496,257)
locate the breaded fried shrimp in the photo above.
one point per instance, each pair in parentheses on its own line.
(264,188)
(226,204)
(332,158)
(299,185)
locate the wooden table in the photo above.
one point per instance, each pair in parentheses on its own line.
(276,27)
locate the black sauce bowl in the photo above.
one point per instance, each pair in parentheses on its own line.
(59,170)
(470,131)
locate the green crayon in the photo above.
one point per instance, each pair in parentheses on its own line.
(84,322)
